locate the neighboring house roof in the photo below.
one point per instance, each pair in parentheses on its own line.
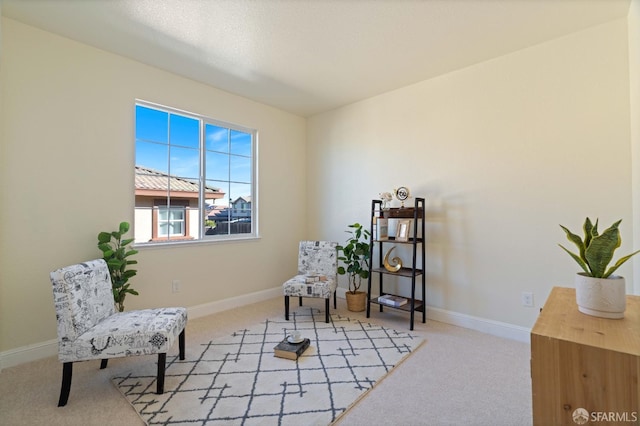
(246,199)
(152,182)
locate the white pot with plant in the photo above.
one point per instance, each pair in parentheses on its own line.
(598,292)
(355,255)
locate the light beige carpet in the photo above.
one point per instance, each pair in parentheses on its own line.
(237,380)
(460,377)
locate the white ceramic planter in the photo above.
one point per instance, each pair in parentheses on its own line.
(601,297)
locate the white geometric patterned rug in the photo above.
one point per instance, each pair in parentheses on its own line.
(236,380)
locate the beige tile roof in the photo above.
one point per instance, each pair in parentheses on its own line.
(154,180)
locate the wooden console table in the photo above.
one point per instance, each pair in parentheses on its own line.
(581,361)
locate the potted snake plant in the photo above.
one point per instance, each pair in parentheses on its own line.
(598,291)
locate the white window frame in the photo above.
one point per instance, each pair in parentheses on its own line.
(202,238)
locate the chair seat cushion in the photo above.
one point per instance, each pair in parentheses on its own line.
(307,286)
(141,332)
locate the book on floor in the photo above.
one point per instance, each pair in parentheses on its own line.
(286,349)
(391,300)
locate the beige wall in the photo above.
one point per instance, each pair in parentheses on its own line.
(634,76)
(504,151)
(66,173)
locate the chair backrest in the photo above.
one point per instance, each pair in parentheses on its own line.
(318,257)
(83,297)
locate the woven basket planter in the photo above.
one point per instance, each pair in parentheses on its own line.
(356,302)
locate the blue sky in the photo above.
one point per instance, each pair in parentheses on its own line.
(170,143)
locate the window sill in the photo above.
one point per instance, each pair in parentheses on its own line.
(173,239)
(192,242)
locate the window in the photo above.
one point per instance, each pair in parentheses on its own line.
(194,177)
(171,221)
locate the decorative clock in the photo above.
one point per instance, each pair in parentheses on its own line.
(402,194)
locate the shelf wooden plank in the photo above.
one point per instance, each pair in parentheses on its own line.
(393,240)
(418,304)
(403,213)
(403,272)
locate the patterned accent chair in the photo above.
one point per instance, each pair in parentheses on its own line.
(317,274)
(90,328)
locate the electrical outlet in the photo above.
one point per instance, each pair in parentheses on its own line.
(527,299)
(175,286)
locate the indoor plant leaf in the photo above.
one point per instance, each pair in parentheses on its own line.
(600,250)
(590,231)
(618,263)
(115,253)
(574,239)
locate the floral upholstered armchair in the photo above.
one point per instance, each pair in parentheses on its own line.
(317,274)
(90,328)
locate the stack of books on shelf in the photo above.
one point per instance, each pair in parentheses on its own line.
(391,300)
(286,349)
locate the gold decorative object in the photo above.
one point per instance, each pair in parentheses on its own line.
(389,267)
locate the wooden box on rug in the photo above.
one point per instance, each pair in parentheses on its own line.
(286,349)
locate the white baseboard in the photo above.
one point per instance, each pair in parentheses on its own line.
(28,353)
(37,351)
(495,328)
(233,302)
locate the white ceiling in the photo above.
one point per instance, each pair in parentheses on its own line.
(309,56)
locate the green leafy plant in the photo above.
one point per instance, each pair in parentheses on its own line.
(355,256)
(596,250)
(116,254)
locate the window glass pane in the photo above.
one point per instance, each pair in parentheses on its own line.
(240,143)
(176,228)
(240,169)
(240,190)
(152,156)
(162,229)
(217,138)
(151,124)
(184,131)
(185,163)
(177,214)
(217,166)
(240,220)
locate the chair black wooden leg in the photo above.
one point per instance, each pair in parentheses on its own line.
(181,342)
(286,308)
(67,372)
(162,361)
(326,310)
(103,364)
